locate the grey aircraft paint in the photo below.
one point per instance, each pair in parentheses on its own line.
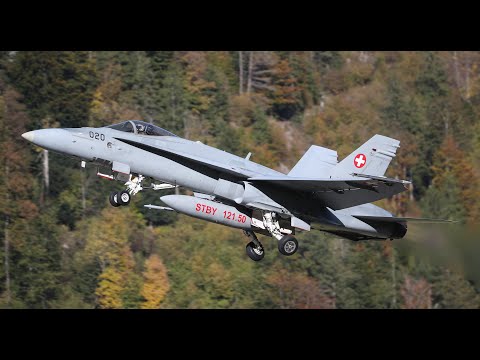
(331,196)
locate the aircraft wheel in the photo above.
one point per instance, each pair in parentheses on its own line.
(123,198)
(288,245)
(255,253)
(113,199)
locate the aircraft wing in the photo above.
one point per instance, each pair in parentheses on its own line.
(339,193)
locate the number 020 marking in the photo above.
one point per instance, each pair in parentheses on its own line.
(97,136)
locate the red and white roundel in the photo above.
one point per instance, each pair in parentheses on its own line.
(360,161)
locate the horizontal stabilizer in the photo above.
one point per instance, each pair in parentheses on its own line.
(338,193)
(404,219)
(382,178)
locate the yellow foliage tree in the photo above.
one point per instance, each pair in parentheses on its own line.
(156,285)
(107,242)
(110,288)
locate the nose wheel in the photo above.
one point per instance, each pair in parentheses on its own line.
(113,199)
(120,198)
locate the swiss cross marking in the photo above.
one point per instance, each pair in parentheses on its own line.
(360,161)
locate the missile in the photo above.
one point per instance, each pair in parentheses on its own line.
(210,211)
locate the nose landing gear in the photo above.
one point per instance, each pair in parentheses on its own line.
(113,199)
(134,186)
(120,198)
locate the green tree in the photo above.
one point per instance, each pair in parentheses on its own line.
(433,89)
(172,100)
(452,291)
(58,84)
(31,260)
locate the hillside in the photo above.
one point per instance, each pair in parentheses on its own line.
(64,246)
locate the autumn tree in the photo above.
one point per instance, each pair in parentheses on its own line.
(108,244)
(260,71)
(286,93)
(156,284)
(454,186)
(17,209)
(298,291)
(75,251)
(417,294)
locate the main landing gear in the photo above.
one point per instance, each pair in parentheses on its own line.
(287,244)
(254,248)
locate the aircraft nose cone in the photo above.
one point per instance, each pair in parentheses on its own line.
(29,136)
(50,139)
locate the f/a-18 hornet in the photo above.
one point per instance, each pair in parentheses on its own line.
(318,193)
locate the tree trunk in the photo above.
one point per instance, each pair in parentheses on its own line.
(394,280)
(467,78)
(240,71)
(7,246)
(456,71)
(46,172)
(84,200)
(250,70)
(6,262)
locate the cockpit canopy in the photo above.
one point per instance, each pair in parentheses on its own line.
(141,128)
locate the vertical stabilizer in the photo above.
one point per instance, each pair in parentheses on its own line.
(372,158)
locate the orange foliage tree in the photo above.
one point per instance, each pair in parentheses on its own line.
(298,291)
(417,294)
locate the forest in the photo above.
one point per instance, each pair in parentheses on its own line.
(63,246)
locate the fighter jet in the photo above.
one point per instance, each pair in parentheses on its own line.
(319,193)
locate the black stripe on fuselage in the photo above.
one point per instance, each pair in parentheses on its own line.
(202,168)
